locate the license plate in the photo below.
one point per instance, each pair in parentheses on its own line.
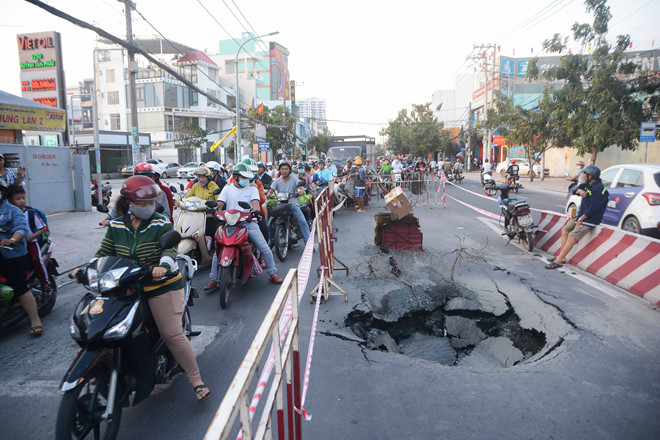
(525,220)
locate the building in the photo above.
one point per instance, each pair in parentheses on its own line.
(312,110)
(454,101)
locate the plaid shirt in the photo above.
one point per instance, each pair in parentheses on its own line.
(10,177)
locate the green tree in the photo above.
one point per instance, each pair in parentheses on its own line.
(188,137)
(321,142)
(280,129)
(605,96)
(417,133)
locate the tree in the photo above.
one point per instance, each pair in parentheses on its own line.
(604,97)
(321,142)
(283,136)
(189,137)
(417,133)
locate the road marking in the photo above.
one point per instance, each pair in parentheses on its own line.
(50,387)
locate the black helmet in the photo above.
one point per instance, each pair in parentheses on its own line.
(593,171)
(284,163)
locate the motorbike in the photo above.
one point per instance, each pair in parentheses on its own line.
(11,312)
(490,187)
(287,230)
(191,224)
(514,182)
(106,193)
(571,187)
(122,355)
(518,221)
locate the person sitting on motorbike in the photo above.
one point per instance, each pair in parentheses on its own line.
(447,167)
(307,177)
(386,168)
(458,167)
(580,172)
(216,173)
(487,168)
(370,168)
(135,235)
(14,264)
(287,183)
(331,166)
(204,187)
(512,171)
(347,168)
(241,190)
(263,175)
(420,165)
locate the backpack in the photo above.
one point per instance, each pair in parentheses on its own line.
(32,212)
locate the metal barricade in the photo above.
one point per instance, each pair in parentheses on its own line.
(287,360)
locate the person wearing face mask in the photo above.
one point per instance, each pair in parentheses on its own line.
(135,235)
(204,187)
(288,183)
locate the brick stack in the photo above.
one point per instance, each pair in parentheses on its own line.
(398,234)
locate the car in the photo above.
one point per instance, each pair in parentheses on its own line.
(634,203)
(523,165)
(127,170)
(169,169)
(186,171)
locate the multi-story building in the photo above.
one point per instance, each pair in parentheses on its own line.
(312,110)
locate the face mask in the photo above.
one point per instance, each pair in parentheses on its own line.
(143,212)
(301,171)
(243,182)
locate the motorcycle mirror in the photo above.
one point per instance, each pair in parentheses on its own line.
(169,240)
(301,183)
(102,208)
(211,203)
(266,187)
(244,205)
(172,188)
(160,209)
(217,191)
(181,186)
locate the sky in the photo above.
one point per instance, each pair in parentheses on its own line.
(367,58)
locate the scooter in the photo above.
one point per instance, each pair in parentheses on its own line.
(122,355)
(106,191)
(514,183)
(191,224)
(287,230)
(518,221)
(490,187)
(11,312)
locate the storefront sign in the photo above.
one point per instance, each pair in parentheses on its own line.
(32,119)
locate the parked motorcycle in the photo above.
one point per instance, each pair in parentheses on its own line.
(106,193)
(191,224)
(122,355)
(518,221)
(11,312)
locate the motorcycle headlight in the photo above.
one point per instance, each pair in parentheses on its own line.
(119,330)
(192,206)
(93,278)
(232,218)
(110,279)
(283,196)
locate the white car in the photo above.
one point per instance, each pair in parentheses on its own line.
(634,203)
(169,169)
(523,169)
(186,171)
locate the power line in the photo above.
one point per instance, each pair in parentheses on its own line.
(539,20)
(530,19)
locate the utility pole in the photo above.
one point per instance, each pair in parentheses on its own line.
(468,148)
(132,71)
(482,53)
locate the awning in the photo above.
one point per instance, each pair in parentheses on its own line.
(18,113)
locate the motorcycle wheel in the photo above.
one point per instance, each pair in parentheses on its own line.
(48,306)
(490,189)
(186,323)
(223,286)
(81,409)
(515,189)
(281,242)
(528,240)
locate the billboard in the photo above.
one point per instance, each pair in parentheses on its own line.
(506,67)
(31,119)
(521,68)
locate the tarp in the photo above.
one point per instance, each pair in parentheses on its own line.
(18,113)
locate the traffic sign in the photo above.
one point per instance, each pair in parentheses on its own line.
(264,146)
(647,132)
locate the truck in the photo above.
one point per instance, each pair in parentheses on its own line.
(348,147)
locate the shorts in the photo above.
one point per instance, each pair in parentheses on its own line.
(15,271)
(577,232)
(358,192)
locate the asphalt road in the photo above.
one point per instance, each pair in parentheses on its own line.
(600,382)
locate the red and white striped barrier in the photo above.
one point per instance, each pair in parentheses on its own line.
(628,260)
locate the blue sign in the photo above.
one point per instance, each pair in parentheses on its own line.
(506,68)
(647,132)
(264,146)
(521,68)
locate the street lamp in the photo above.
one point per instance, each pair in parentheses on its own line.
(238,101)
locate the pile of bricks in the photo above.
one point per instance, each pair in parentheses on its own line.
(401,234)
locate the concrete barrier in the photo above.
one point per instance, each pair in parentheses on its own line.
(628,260)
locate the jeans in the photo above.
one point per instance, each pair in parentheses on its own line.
(254,236)
(299,217)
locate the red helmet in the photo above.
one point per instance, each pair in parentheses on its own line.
(458,159)
(513,161)
(145,169)
(139,189)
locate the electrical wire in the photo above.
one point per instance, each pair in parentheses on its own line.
(539,20)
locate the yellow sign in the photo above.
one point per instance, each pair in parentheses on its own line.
(32,119)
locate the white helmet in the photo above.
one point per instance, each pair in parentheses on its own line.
(213,165)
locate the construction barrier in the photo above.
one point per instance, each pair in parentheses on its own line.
(324,207)
(287,370)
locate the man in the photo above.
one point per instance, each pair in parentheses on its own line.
(262,175)
(387,167)
(324,172)
(512,171)
(216,174)
(289,184)
(487,167)
(241,190)
(347,167)
(433,165)
(447,167)
(397,166)
(8,175)
(370,168)
(331,166)
(360,183)
(458,167)
(594,201)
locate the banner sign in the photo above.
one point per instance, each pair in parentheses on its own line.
(506,68)
(647,132)
(31,119)
(264,146)
(521,68)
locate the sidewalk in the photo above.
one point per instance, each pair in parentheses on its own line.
(554,184)
(77,237)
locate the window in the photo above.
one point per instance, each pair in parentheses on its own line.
(115,122)
(194,98)
(230,67)
(630,178)
(231,101)
(190,73)
(139,95)
(110,76)
(104,55)
(113,98)
(608,176)
(213,94)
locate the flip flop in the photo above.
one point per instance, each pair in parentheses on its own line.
(37,330)
(552,265)
(199,392)
(551,259)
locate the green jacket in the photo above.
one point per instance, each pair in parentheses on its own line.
(122,240)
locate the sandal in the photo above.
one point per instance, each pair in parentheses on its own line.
(199,392)
(551,259)
(552,265)
(37,330)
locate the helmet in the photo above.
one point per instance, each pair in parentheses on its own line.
(513,161)
(213,165)
(202,171)
(580,163)
(145,169)
(367,160)
(262,165)
(251,163)
(243,170)
(593,171)
(458,159)
(284,163)
(358,160)
(139,189)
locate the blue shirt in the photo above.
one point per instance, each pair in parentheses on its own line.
(325,173)
(594,205)
(12,220)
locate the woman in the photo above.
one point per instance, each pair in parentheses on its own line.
(8,175)
(135,235)
(14,262)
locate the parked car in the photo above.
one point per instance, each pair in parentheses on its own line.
(127,170)
(634,203)
(186,171)
(523,170)
(168,169)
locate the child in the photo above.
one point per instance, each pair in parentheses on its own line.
(16,196)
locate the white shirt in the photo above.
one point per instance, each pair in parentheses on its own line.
(38,223)
(433,164)
(487,167)
(397,166)
(231,195)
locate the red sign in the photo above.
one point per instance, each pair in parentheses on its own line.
(39,85)
(47,101)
